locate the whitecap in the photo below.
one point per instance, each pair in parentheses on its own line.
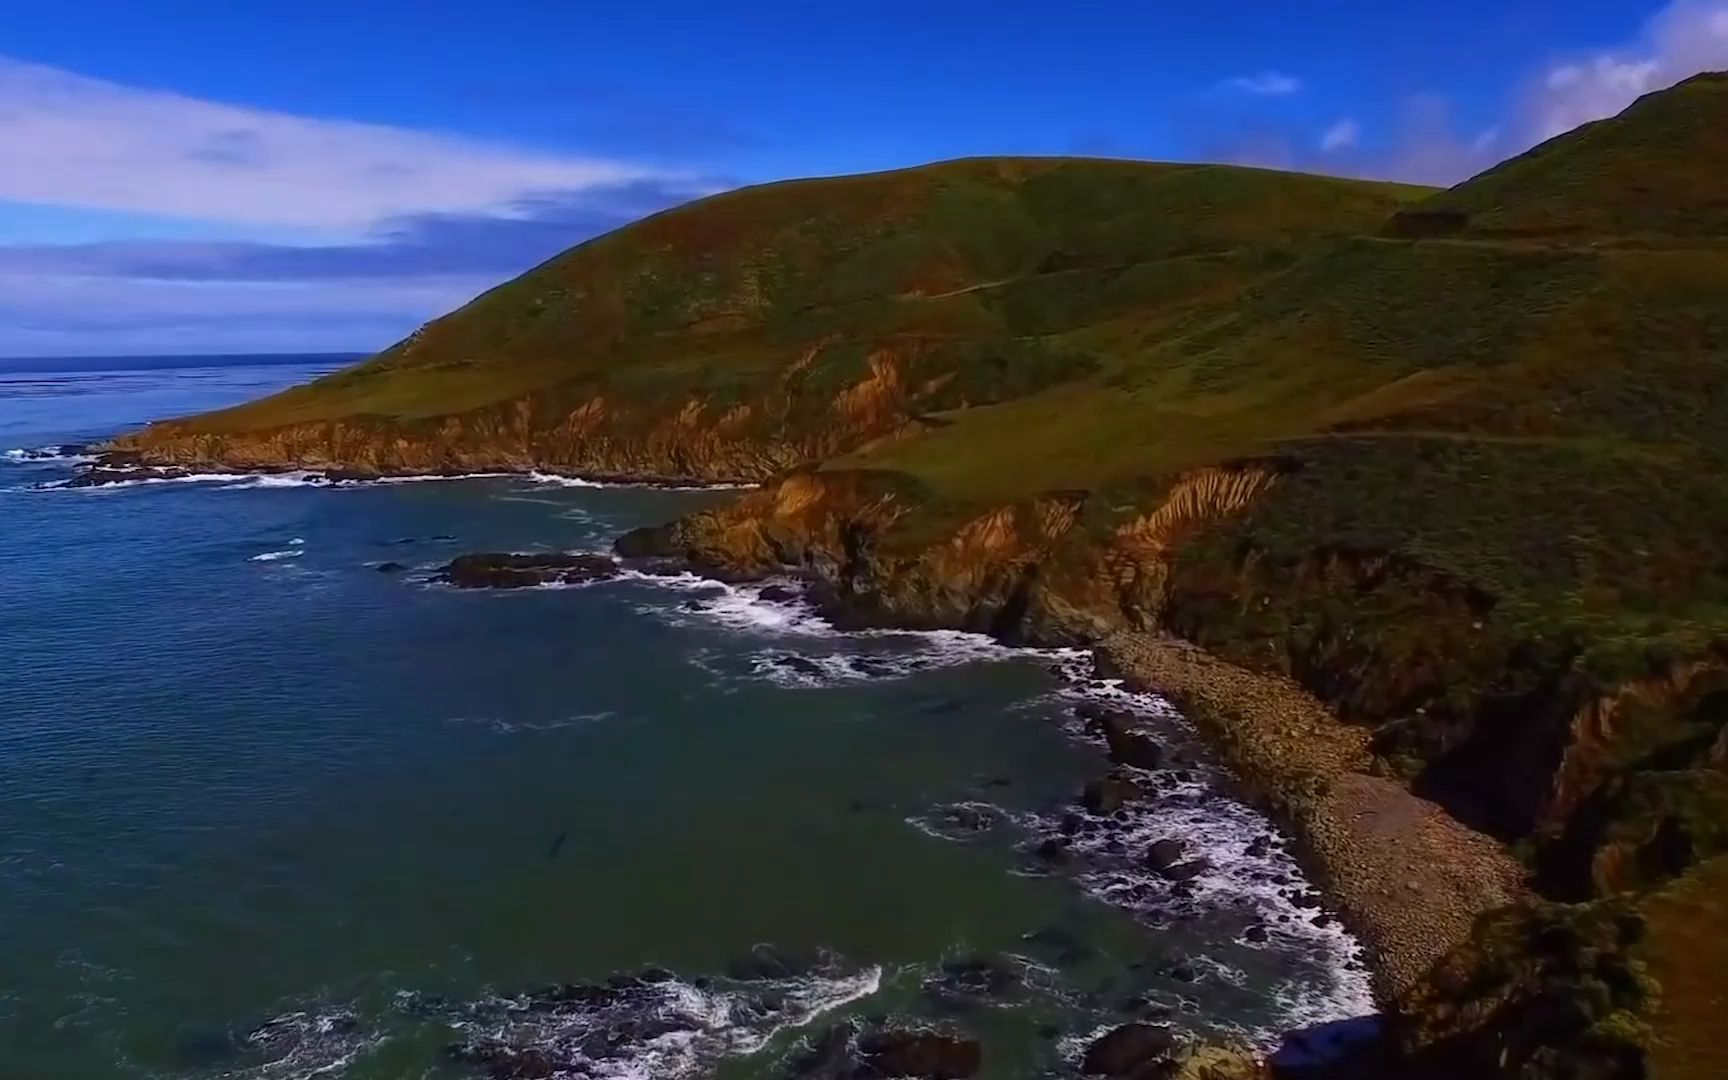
(277,556)
(44,455)
(560,480)
(1253,877)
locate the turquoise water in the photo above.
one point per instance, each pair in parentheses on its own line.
(267,811)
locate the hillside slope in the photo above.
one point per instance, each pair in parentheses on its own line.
(777,325)
(1455,462)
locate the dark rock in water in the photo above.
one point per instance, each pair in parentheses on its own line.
(1180,970)
(1053,850)
(1130,1051)
(999,782)
(968,818)
(202,1048)
(778,594)
(340,476)
(926,1055)
(648,542)
(503,570)
(942,706)
(52,453)
(1129,745)
(1166,853)
(828,1058)
(1185,871)
(766,963)
(1257,934)
(1108,795)
(104,475)
(1260,846)
(1067,948)
(389,568)
(563,996)
(979,976)
(501,1060)
(1353,1049)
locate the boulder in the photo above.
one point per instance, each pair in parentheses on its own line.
(1166,853)
(1128,743)
(827,1058)
(349,475)
(389,567)
(504,570)
(1130,1052)
(503,1062)
(648,542)
(925,1055)
(103,475)
(1109,794)
(1185,871)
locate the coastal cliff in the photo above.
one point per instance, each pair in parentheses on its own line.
(1447,470)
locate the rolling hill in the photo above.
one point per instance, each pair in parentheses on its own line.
(1456,462)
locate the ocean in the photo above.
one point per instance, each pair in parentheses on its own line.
(269,811)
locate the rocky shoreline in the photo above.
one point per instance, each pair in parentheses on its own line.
(1405,876)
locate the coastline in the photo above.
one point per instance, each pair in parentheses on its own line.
(1407,878)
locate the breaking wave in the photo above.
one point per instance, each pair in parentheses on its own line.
(647,1026)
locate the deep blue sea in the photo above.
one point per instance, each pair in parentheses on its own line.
(268,811)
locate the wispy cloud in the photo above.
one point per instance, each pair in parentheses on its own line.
(1342,135)
(419,246)
(1683,39)
(1425,142)
(1264,84)
(200,296)
(70,140)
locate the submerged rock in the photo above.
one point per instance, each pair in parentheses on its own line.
(828,1058)
(926,1055)
(1129,744)
(1131,1052)
(648,542)
(1165,853)
(964,983)
(105,475)
(1185,871)
(1109,794)
(503,570)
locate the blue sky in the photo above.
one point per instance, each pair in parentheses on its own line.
(196,177)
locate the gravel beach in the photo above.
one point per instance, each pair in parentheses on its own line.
(1408,878)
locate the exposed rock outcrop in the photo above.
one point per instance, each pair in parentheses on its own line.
(505,570)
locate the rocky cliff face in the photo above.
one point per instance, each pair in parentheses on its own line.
(1613,787)
(701,438)
(1029,572)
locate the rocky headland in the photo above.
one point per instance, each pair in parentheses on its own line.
(1415,500)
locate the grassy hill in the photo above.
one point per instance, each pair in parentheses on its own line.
(973,272)
(1455,461)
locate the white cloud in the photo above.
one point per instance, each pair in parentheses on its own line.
(1341,136)
(69,140)
(1686,37)
(55,315)
(1265,84)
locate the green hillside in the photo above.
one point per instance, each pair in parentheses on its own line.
(980,267)
(1456,462)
